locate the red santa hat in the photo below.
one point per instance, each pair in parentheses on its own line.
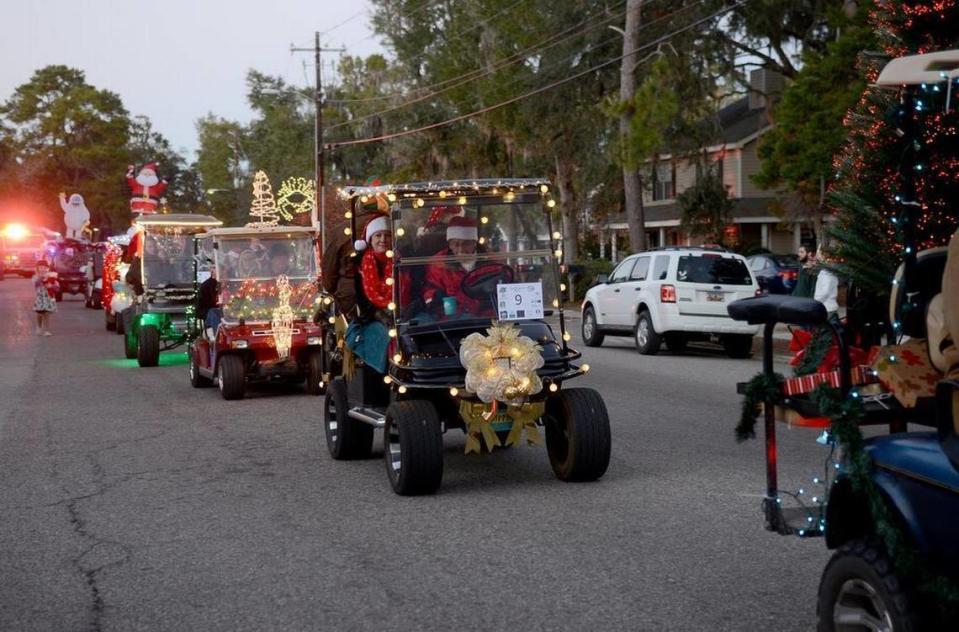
(462,228)
(150,166)
(378,224)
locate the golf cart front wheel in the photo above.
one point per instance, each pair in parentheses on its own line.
(148,346)
(231,377)
(346,438)
(413,447)
(859,590)
(314,374)
(738,345)
(577,434)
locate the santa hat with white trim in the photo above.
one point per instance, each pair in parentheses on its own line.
(378,224)
(462,228)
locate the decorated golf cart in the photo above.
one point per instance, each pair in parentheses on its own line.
(114,294)
(162,278)
(888,504)
(263,329)
(459,327)
(69,258)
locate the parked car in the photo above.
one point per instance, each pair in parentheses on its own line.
(673,295)
(776,274)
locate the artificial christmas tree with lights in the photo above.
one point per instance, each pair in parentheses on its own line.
(898,175)
(263,208)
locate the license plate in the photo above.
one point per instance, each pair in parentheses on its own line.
(715,297)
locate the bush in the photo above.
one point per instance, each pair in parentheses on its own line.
(584,272)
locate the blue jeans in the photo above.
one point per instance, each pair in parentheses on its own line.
(213,317)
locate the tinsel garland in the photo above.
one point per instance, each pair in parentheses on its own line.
(845,415)
(762,388)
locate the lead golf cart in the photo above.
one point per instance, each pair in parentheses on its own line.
(488,354)
(162,276)
(267,294)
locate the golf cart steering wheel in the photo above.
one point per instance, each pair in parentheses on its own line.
(481,282)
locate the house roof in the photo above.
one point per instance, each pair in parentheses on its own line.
(737,122)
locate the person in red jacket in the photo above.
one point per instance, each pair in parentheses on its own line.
(443,292)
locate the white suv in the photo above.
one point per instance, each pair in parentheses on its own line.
(674,295)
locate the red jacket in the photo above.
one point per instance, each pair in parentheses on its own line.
(448,277)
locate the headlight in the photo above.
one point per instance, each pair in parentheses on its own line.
(314,340)
(240,344)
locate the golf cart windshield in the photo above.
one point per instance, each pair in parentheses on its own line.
(483,256)
(257,275)
(167,259)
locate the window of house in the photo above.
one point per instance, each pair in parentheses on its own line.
(664,181)
(639,272)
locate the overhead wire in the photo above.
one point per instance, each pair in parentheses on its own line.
(462,117)
(519,55)
(481,73)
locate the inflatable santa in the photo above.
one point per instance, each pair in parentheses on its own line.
(147,188)
(75,215)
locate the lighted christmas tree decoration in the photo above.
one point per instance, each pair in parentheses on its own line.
(263,209)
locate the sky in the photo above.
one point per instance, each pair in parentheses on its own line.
(178,60)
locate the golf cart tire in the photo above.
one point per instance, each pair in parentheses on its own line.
(866,563)
(118,324)
(197,380)
(349,438)
(413,435)
(653,341)
(148,346)
(111,323)
(596,337)
(129,347)
(232,377)
(314,373)
(577,435)
(738,346)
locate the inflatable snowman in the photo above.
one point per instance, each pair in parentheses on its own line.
(75,215)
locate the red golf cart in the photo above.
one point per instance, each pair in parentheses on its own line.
(267,296)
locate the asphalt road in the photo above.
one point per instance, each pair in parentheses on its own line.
(129,501)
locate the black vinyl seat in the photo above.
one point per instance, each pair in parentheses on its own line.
(778,308)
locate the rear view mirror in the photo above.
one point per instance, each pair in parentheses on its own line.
(600,279)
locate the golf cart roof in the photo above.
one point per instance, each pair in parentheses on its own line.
(177,219)
(451,187)
(913,70)
(253,231)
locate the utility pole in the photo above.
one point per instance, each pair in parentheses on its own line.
(632,188)
(319,204)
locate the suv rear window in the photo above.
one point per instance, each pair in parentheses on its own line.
(721,270)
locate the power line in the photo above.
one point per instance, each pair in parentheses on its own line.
(463,117)
(520,55)
(344,22)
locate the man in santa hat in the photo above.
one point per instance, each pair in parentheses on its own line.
(146,187)
(443,291)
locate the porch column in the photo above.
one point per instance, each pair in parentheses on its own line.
(662,237)
(615,254)
(602,244)
(764,240)
(797,236)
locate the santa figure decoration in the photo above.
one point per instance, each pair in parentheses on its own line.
(75,215)
(147,188)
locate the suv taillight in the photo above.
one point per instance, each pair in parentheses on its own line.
(667,294)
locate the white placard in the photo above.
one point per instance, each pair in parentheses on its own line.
(519,301)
